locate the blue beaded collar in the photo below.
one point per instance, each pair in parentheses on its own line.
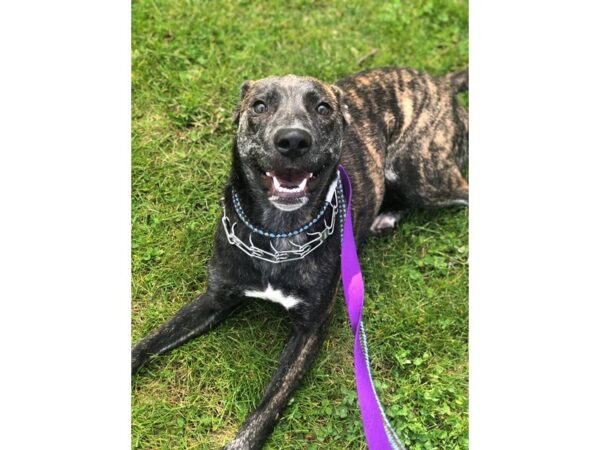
(242,215)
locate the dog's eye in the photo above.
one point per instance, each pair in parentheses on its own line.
(259,107)
(324,109)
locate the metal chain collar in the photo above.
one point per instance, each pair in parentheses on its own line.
(335,200)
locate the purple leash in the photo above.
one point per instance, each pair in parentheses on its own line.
(378,431)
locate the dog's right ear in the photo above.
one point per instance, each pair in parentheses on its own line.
(246,85)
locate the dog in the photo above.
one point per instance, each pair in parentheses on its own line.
(402,137)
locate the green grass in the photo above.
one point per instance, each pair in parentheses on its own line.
(188,60)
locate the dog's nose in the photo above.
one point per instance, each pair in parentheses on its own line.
(292,142)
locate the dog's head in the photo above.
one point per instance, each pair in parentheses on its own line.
(289,136)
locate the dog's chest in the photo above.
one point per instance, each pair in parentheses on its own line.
(279,283)
(298,285)
(274,295)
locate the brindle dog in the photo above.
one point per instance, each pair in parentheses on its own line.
(401,136)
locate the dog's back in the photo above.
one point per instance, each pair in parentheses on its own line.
(406,143)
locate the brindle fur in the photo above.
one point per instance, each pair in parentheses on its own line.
(411,134)
(401,136)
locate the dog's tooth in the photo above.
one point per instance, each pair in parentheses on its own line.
(277,184)
(303,184)
(269,174)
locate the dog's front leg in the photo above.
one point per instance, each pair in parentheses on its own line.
(297,357)
(193,319)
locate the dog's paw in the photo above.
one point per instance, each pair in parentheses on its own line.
(386,222)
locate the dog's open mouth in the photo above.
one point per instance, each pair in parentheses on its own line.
(288,186)
(288,183)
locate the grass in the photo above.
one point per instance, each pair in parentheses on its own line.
(188,60)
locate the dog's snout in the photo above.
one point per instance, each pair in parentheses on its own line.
(292,142)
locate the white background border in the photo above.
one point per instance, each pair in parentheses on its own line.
(534,225)
(65,225)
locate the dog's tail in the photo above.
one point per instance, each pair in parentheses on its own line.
(458,81)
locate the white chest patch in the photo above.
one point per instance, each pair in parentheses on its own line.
(274,295)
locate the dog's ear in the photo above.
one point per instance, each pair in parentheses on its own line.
(339,94)
(246,85)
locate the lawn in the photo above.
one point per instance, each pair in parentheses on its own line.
(188,61)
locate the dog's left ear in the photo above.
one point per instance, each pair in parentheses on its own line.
(246,85)
(339,94)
